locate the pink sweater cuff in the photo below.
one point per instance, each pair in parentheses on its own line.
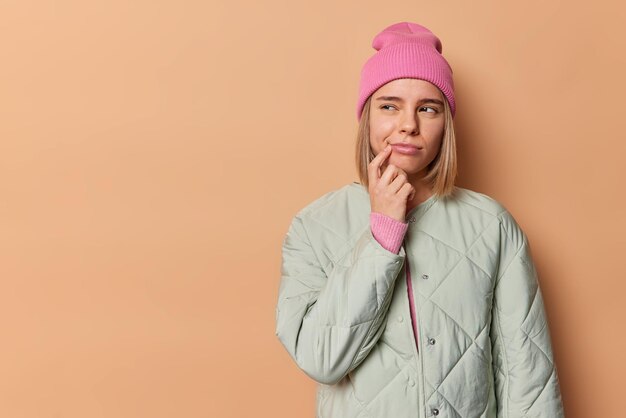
(388,231)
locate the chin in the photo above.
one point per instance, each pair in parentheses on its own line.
(409,170)
(405,165)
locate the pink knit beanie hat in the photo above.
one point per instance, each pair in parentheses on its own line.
(406,50)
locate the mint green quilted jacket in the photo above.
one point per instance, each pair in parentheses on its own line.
(343,315)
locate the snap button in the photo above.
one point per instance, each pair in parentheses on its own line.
(431,341)
(411,382)
(412,220)
(400,319)
(424,276)
(435,411)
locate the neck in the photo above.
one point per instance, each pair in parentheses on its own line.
(422,191)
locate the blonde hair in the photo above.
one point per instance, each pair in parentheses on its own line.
(442,171)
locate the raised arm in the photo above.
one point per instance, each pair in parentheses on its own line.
(329,317)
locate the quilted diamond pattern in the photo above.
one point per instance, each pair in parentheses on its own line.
(484,340)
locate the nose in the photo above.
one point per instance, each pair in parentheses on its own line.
(409,124)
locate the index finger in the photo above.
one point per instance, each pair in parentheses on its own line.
(374,165)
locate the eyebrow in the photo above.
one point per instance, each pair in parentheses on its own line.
(398,99)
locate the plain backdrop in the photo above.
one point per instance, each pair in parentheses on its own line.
(153,153)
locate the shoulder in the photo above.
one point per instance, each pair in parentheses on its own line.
(347,200)
(337,215)
(473,200)
(331,222)
(480,203)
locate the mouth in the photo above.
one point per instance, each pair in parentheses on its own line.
(407,149)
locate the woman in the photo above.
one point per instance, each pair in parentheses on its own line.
(405,295)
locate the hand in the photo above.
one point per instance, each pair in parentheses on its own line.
(390,191)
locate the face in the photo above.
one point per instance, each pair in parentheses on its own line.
(409,111)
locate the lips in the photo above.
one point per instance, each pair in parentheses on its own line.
(406,149)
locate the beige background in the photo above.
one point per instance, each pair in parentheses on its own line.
(153,153)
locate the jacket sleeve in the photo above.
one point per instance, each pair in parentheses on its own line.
(525,374)
(329,317)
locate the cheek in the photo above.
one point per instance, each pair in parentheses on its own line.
(433,134)
(380,131)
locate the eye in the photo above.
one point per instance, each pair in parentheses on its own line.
(428,107)
(384,106)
